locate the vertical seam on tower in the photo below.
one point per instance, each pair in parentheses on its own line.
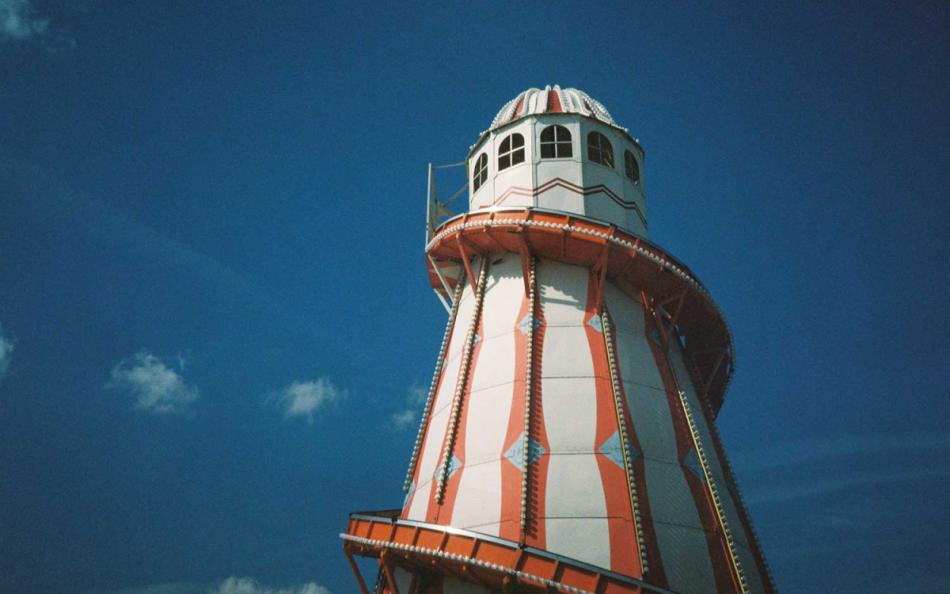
(462,382)
(711,485)
(528,385)
(624,440)
(439,364)
(740,503)
(703,462)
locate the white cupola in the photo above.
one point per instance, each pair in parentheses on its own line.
(559,149)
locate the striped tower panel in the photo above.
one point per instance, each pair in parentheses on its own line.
(488,405)
(704,527)
(680,541)
(751,565)
(568,440)
(576,511)
(512,458)
(430,456)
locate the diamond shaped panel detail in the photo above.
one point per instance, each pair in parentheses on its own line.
(515,453)
(612,450)
(525,324)
(596,323)
(454,465)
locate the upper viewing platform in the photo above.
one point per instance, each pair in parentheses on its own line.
(559,149)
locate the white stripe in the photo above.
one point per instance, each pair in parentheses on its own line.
(478,502)
(575,505)
(435,433)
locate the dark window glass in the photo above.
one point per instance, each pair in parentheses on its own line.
(511,151)
(555,142)
(631,167)
(480,172)
(599,149)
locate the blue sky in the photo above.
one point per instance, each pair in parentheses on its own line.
(214,313)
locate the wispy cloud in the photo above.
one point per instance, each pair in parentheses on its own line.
(409,414)
(304,399)
(36,188)
(231,585)
(783,492)
(243,585)
(156,388)
(780,467)
(6,353)
(165,588)
(792,453)
(19,21)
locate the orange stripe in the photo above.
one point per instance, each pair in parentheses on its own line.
(518,108)
(655,574)
(554,102)
(510,527)
(718,552)
(620,527)
(443,513)
(536,534)
(427,421)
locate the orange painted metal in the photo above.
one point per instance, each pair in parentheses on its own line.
(630,262)
(495,563)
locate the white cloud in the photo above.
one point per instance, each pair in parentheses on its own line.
(303,399)
(243,585)
(6,353)
(409,415)
(157,388)
(231,585)
(18,21)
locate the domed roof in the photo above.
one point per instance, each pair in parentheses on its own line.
(552,100)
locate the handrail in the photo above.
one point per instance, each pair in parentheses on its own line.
(420,544)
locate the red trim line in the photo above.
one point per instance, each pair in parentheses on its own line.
(558,182)
(518,108)
(554,102)
(715,541)
(620,526)
(510,525)
(655,572)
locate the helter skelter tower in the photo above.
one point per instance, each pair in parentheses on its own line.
(568,442)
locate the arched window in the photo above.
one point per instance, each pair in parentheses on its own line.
(480,172)
(511,151)
(631,167)
(599,149)
(556,142)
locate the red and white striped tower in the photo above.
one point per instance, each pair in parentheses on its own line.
(568,442)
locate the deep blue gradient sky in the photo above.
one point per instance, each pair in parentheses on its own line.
(204,205)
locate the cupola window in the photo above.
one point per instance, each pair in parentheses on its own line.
(599,149)
(511,151)
(556,142)
(480,172)
(631,167)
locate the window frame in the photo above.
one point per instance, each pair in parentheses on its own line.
(556,143)
(629,157)
(511,152)
(600,149)
(480,172)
